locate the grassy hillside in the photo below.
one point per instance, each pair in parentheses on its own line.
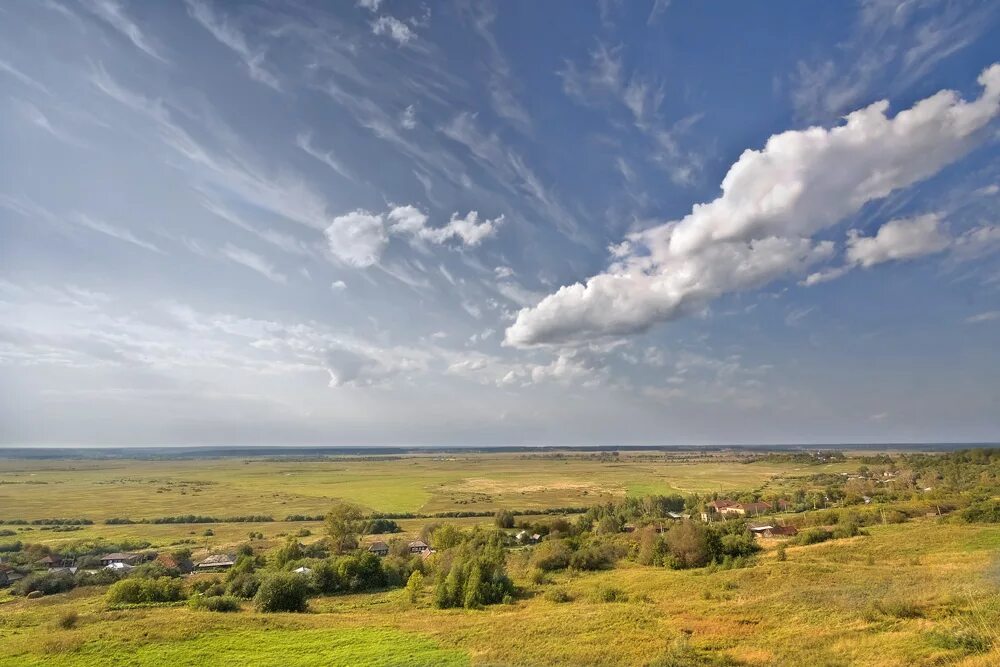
(919,593)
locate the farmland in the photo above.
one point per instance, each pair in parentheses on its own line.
(923,591)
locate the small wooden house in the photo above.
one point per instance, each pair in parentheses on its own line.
(380,549)
(419,547)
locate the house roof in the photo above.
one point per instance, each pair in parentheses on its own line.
(719,504)
(378,546)
(217,560)
(418,543)
(124,567)
(302,570)
(784,530)
(50,559)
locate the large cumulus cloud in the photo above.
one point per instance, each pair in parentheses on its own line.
(773,201)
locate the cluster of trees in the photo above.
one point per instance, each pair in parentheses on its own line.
(473,573)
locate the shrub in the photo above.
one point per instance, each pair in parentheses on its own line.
(688,543)
(243,585)
(138,591)
(476,577)
(592,558)
(44,583)
(282,591)
(415,585)
(551,555)
(812,536)
(220,603)
(67,620)
(504,519)
(986,511)
(610,594)
(557,595)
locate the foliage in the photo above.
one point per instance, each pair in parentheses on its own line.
(220,603)
(415,585)
(551,555)
(282,591)
(504,518)
(46,583)
(134,591)
(343,523)
(475,576)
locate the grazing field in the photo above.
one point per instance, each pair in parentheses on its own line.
(902,579)
(896,597)
(421,484)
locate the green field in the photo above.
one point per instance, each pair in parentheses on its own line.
(922,592)
(226,487)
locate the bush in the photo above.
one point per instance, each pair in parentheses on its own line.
(504,519)
(67,620)
(610,594)
(138,591)
(44,583)
(986,511)
(415,585)
(220,603)
(551,555)
(243,585)
(812,536)
(282,591)
(557,595)
(476,577)
(592,558)
(689,545)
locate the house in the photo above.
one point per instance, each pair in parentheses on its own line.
(761,529)
(782,531)
(302,570)
(171,562)
(119,566)
(678,515)
(536,538)
(629,528)
(522,536)
(720,506)
(380,549)
(418,547)
(424,555)
(750,509)
(217,562)
(126,558)
(52,562)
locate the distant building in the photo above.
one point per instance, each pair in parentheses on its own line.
(380,549)
(126,558)
(418,547)
(217,562)
(118,566)
(302,570)
(52,562)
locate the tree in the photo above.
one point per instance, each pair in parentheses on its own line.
(415,585)
(689,544)
(343,523)
(504,518)
(282,591)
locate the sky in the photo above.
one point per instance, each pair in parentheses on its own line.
(523,223)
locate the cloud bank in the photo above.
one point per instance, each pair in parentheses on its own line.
(760,229)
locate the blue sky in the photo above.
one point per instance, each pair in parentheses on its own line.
(514,223)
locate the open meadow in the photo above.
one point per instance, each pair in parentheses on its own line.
(922,591)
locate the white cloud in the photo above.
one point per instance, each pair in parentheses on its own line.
(988,316)
(338,285)
(407,220)
(253,261)
(502,272)
(370,5)
(773,200)
(408,118)
(393,28)
(115,232)
(232,37)
(304,141)
(357,238)
(468,230)
(897,240)
(112,13)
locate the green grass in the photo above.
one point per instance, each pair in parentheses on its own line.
(918,593)
(420,484)
(302,648)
